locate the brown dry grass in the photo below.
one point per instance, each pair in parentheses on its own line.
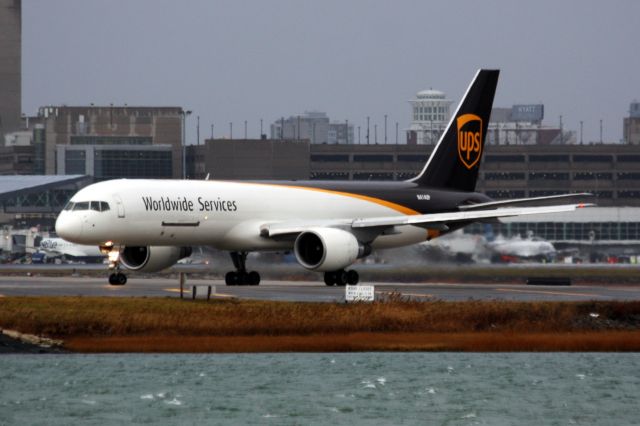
(171,325)
(619,341)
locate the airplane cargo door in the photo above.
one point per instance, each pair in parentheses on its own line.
(119,206)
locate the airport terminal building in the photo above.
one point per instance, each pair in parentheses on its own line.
(36,200)
(610,171)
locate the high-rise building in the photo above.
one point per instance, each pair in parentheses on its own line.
(313,126)
(10,60)
(340,132)
(631,124)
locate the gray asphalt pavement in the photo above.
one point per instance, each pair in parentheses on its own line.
(306,290)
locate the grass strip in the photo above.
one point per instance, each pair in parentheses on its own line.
(89,324)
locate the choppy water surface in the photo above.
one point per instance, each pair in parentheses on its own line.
(288,389)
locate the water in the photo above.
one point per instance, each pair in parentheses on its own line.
(301,389)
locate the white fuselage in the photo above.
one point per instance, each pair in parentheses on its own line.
(225,215)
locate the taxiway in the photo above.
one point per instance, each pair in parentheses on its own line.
(308,291)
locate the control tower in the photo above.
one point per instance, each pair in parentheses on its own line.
(430,115)
(10,66)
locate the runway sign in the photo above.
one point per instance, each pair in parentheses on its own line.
(359,293)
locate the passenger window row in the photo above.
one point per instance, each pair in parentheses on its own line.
(99,206)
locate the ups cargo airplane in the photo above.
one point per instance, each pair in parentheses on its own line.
(148,225)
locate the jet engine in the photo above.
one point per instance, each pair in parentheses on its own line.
(328,249)
(152,258)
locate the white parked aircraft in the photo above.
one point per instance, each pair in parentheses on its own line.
(59,248)
(148,225)
(522,249)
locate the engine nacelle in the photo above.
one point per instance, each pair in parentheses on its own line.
(327,249)
(152,258)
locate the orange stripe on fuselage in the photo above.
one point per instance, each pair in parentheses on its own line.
(397,207)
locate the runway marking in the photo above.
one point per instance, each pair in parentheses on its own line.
(555,293)
(627,289)
(425,295)
(188,292)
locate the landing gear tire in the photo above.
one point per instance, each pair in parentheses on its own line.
(341,278)
(117,279)
(352,277)
(241,276)
(253,278)
(231,278)
(329,278)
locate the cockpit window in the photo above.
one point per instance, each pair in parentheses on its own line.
(84,205)
(98,206)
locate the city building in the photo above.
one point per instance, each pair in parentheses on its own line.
(115,161)
(17,160)
(522,125)
(312,126)
(10,66)
(631,125)
(285,159)
(143,135)
(340,133)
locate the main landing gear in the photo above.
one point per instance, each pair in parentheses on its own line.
(341,277)
(240,276)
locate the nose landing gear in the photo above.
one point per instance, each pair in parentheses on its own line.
(240,276)
(113,253)
(117,278)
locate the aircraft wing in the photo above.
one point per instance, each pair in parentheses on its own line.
(437,221)
(531,201)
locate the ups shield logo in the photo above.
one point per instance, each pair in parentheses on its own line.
(469,139)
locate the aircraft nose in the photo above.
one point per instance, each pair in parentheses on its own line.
(69,227)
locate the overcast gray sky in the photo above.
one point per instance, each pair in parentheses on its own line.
(246,60)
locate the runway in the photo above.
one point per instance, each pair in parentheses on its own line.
(308,291)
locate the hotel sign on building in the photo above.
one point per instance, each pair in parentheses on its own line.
(527,113)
